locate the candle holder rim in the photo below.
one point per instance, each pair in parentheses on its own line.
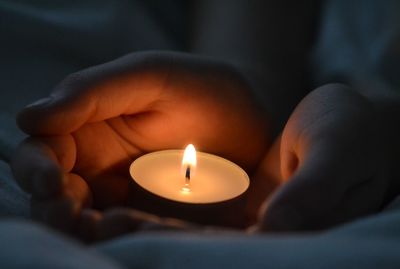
(199,153)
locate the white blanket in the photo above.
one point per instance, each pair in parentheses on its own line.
(33,37)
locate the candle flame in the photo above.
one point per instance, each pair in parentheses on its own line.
(189,157)
(188,164)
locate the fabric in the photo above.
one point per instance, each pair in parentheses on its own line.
(10,135)
(13,201)
(43,41)
(367,243)
(358,40)
(27,245)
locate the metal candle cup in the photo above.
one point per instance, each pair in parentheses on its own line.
(208,191)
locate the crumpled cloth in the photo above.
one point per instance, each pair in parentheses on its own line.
(43,41)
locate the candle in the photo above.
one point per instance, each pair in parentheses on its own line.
(189,177)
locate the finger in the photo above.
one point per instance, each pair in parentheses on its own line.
(38,164)
(123,86)
(266,179)
(323,156)
(365,198)
(62,212)
(310,198)
(87,223)
(120,221)
(313,207)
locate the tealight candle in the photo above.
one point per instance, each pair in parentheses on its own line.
(189,177)
(195,183)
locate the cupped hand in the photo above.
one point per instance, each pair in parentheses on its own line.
(329,163)
(84,136)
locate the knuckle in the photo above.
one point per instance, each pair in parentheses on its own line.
(76,78)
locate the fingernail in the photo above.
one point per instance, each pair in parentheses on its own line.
(40,102)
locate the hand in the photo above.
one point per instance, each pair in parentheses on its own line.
(331,163)
(97,226)
(87,132)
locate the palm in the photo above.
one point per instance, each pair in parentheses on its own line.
(330,162)
(98,120)
(215,116)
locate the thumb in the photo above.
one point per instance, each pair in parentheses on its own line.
(316,196)
(125,86)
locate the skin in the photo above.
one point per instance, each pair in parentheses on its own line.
(325,172)
(332,162)
(59,164)
(96,122)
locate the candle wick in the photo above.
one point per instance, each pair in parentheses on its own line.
(187,175)
(186,188)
